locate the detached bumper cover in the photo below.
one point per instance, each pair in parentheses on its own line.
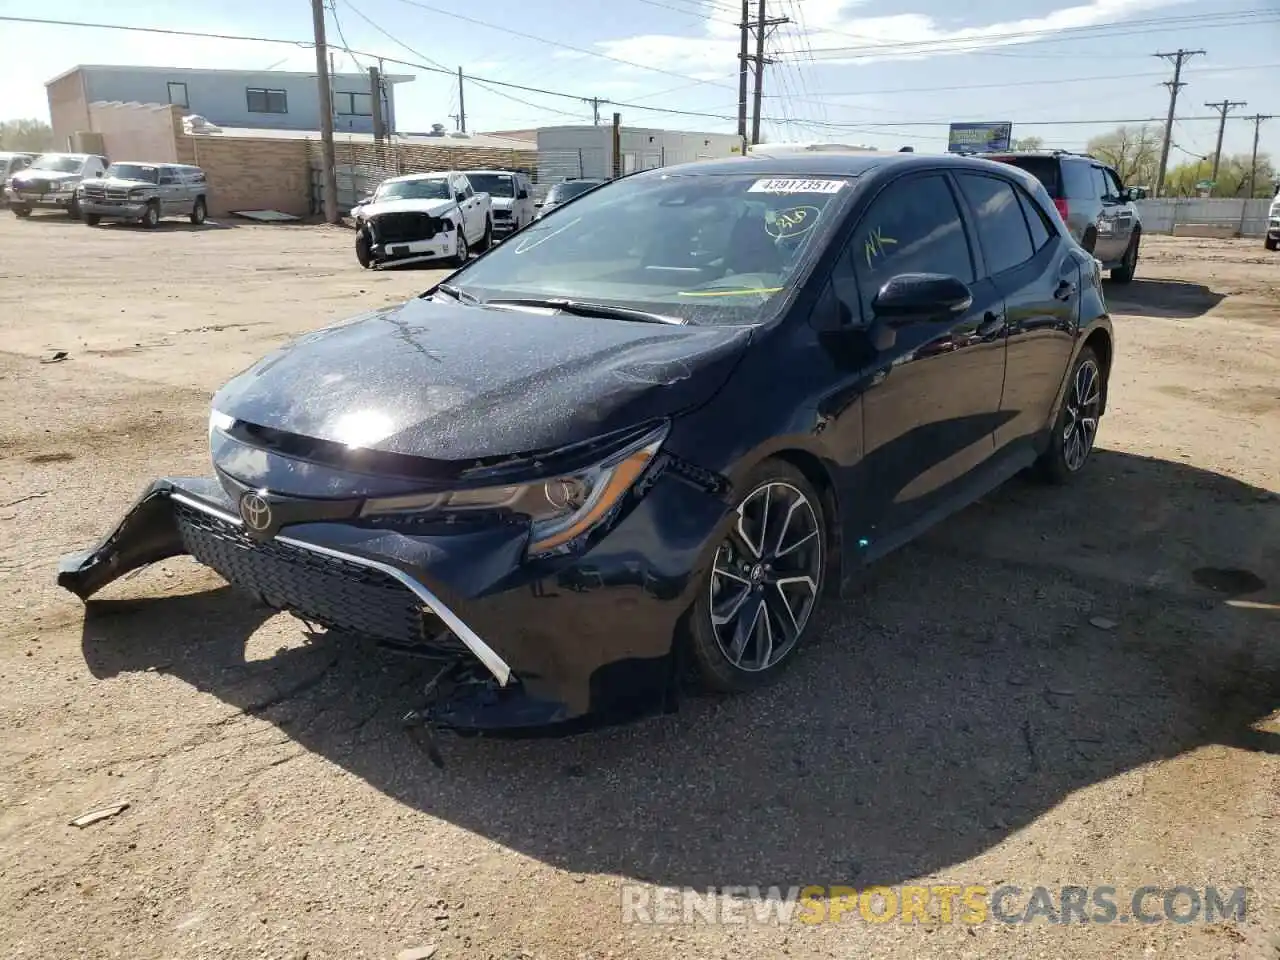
(557,641)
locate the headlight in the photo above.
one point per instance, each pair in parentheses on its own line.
(561,509)
(137,194)
(220,421)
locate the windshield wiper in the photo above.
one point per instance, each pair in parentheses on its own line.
(582,308)
(460,295)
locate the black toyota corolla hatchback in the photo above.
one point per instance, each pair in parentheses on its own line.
(651,430)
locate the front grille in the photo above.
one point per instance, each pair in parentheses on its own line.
(31,186)
(405,227)
(117,193)
(502,214)
(333,593)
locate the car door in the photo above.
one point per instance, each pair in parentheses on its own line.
(168,191)
(930,405)
(1033,267)
(1122,210)
(1108,248)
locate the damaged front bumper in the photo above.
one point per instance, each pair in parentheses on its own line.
(538,645)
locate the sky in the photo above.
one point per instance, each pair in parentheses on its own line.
(885,73)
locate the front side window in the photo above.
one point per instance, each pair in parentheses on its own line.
(167,176)
(1114,186)
(178,94)
(414,190)
(563,192)
(1002,229)
(1101,189)
(142,172)
(709,249)
(260,100)
(914,226)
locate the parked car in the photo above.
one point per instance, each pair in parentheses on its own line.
(420,217)
(145,192)
(1093,202)
(512,196)
(1272,239)
(561,193)
(52,181)
(11,163)
(593,447)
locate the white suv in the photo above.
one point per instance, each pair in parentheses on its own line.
(1272,240)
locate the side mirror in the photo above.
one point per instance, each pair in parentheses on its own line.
(1136,193)
(460,197)
(98,174)
(921,297)
(522,195)
(537,205)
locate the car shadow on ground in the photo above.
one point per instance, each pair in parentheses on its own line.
(1176,299)
(972,686)
(164,226)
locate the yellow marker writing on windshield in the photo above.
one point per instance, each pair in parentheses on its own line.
(726,293)
(876,243)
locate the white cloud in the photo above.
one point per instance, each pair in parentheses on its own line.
(829,25)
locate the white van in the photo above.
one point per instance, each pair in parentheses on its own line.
(512,196)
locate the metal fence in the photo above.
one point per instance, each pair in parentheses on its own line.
(1248,217)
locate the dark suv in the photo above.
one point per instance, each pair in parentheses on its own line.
(1096,206)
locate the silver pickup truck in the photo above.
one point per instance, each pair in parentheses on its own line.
(145,192)
(53,181)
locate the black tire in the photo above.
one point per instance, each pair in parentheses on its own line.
(487,240)
(199,212)
(73,209)
(460,258)
(1271,243)
(21,211)
(364,255)
(151,217)
(92,219)
(1129,265)
(769,595)
(1089,240)
(1061,462)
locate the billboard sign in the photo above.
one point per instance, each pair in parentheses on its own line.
(979,137)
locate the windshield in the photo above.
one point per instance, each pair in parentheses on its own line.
(59,164)
(414,190)
(134,171)
(494,184)
(570,189)
(709,249)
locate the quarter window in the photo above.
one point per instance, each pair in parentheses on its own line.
(1002,230)
(260,100)
(1042,229)
(914,226)
(1101,189)
(178,94)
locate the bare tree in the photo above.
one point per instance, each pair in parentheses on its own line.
(1028,143)
(1134,152)
(28,135)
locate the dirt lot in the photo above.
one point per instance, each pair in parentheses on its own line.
(963,721)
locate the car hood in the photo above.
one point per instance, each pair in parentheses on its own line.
(433,208)
(448,381)
(119,183)
(49,176)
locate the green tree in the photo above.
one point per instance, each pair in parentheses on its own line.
(1028,143)
(28,135)
(1134,152)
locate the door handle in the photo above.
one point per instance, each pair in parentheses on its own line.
(1065,291)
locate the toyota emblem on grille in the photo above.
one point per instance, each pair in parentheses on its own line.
(255,512)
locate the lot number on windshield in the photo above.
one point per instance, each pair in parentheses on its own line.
(796,186)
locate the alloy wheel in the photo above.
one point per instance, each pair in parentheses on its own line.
(766,577)
(1081,424)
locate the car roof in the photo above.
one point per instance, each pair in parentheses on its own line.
(435,175)
(831,164)
(63,153)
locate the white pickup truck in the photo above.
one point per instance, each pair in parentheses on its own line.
(422,216)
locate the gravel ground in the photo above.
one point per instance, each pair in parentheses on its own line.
(1055,687)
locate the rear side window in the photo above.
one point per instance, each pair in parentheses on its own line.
(1044,169)
(1077,178)
(1002,229)
(1042,229)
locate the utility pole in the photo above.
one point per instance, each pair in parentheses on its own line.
(743,58)
(329,176)
(375,96)
(1223,108)
(763,25)
(462,105)
(1257,119)
(1177,58)
(617,145)
(595,111)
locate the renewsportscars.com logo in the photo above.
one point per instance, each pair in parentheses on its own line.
(939,903)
